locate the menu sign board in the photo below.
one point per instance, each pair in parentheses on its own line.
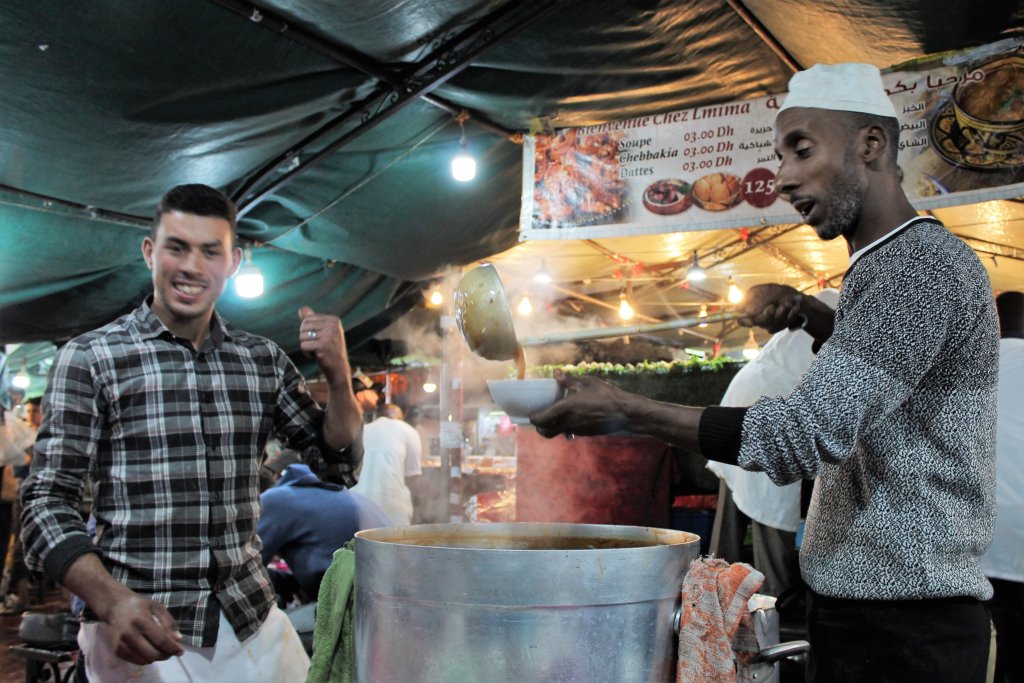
(961,141)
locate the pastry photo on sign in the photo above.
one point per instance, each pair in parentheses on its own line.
(717,191)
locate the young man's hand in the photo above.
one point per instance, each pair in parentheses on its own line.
(142,631)
(323,338)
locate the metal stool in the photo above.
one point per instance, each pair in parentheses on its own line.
(50,640)
(44,665)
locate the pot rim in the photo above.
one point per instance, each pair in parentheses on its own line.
(524,531)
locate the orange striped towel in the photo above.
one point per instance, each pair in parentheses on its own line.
(715,595)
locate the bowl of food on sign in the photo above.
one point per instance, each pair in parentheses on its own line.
(994,103)
(717,191)
(988,106)
(520,397)
(668,196)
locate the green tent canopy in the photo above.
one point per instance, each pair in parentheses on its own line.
(332,125)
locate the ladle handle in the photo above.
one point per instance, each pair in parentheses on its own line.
(607,332)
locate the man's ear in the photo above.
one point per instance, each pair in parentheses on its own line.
(874,143)
(236,260)
(147,251)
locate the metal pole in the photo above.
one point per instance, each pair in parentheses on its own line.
(607,332)
(451,406)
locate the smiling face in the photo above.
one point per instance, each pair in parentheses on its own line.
(820,173)
(191,258)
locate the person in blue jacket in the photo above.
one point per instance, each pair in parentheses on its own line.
(304,520)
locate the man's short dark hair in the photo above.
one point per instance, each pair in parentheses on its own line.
(198,200)
(35,401)
(858,121)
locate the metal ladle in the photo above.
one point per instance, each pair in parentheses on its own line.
(485,319)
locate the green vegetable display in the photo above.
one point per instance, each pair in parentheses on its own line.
(693,382)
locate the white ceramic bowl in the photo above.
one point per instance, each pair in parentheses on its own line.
(520,397)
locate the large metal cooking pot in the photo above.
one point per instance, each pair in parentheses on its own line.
(517,603)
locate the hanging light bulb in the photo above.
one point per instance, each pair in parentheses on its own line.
(625,309)
(542,276)
(249,278)
(463,163)
(436,298)
(751,348)
(525,308)
(703,314)
(429,387)
(695,273)
(463,166)
(735,294)
(21,380)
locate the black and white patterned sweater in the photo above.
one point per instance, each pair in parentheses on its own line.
(896,419)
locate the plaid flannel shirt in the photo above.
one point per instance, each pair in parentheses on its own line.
(172,438)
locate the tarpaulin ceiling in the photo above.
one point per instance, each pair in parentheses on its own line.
(332,125)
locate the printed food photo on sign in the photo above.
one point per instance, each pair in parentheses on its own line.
(982,125)
(576,179)
(668,196)
(717,191)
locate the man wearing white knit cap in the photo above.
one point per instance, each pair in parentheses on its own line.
(905,452)
(895,417)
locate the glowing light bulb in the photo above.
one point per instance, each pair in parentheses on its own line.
(436,298)
(463,166)
(751,348)
(542,276)
(625,310)
(429,387)
(249,278)
(525,308)
(695,273)
(703,314)
(21,380)
(463,163)
(735,294)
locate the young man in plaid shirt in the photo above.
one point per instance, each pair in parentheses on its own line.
(168,409)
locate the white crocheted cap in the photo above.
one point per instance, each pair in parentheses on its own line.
(842,87)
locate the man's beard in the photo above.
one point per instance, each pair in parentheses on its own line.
(844,201)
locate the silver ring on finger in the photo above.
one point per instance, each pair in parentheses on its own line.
(310,334)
